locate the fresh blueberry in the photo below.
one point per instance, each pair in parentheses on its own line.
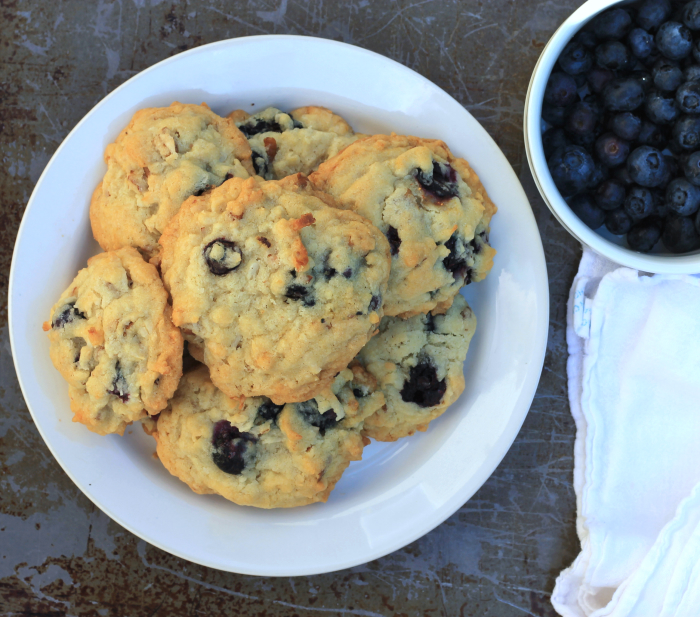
(585,207)
(691,168)
(441,181)
(571,168)
(587,38)
(691,73)
(623,176)
(267,412)
(581,123)
(600,174)
(646,166)
(610,195)
(671,172)
(674,40)
(686,133)
(652,135)
(392,235)
(623,94)
(598,78)
(626,125)
(644,78)
(308,410)
(661,108)
(696,51)
(688,97)
(575,59)
(456,262)
(652,13)
(560,90)
(556,116)
(666,75)
(67,315)
(643,236)
(613,55)
(611,150)
(639,203)
(697,222)
(612,24)
(551,140)
(682,197)
(299,292)
(232,451)
(680,235)
(641,43)
(423,386)
(618,222)
(222,256)
(120,388)
(691,15)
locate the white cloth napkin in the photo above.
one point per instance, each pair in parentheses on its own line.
(634,390)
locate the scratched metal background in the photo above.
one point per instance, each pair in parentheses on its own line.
(59,555)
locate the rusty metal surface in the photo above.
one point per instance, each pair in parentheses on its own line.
(59,555)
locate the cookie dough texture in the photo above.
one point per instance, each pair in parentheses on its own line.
(418,365)
(163,156)
(112,339)
(430,204)
(298,142)
(255,453)
(274,290)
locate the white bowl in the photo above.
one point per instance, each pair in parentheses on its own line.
(603,242)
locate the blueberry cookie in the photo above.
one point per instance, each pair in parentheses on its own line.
(256,453)
(432,208)
(162,157)
(417,363)
(112,340)
(298,142)
(275,290)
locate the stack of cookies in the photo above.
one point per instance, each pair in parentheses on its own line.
(306,276)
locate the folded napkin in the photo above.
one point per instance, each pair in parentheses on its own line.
(634,390)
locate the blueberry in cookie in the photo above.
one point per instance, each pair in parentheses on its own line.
(161,158)
(112,339)
(274,289)
(430,205)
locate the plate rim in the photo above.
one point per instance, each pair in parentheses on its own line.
(514,423)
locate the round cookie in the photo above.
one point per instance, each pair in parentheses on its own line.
(417,363)
(274,290)
(256,453)
(163,156)
(298,142)
(112,340)
(432,208)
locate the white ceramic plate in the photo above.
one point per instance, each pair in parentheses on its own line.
(399,491)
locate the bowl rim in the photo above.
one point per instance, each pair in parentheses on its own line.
(656,263)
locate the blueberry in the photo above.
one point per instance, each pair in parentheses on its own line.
(639,203)
(688,97)
(611,150)
(324,268)
(644,78)
(392,235)
(696,51)
(600,174)
(652,135)
(587,38)
(618,222)
(643,236)
(584,206)
(267,412)
(67,315)
(691,73)
(598,78)
(661,108)
(423,386)
(556,116)
(697,222)
(626,125)
(222,256)
(680,235)
(360,391)
(374,303)
(571,168)
(691,15)
(260,163)
(652,13)
(666,75)
(441,181)
(581,123)
(308,410)
(299,292)
(623,94)
(682,197)
(641,43)
(646,166)
(551,140)
(232,451)
(686,133)
(621,175)
(456,261)
(613,55)
(610,195)
(674,40)
(120,388)
(575,59)
(253,126)
(691,168)
(560,90)
(612,24)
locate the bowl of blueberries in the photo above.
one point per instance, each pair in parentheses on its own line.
(612,131)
